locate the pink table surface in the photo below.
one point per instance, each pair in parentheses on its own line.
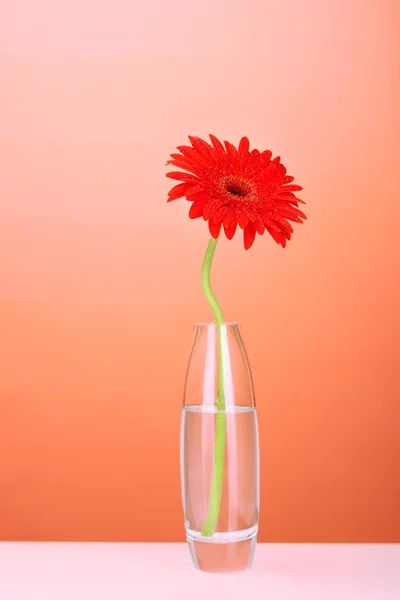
(116,571)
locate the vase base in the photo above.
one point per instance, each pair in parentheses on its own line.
(217,555)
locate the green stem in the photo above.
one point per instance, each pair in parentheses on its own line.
(214,501)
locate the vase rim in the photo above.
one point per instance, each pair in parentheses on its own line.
(205,323)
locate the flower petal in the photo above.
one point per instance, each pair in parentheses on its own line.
(192,155)
(230,230)
(231,151)
(177,191)
(269,224)
(217,145)
(249,235)
(292,213)
(277,235)
(184,163)
(265,156)
(281,170)
(214,228)
(207,211)
(287,179)
(241,217)
(218,214)
(254,158)
(285,224)
(259,225)
(196,210)
(230,218)
(284,195)
(180,175)
(270,173)
(244,146)
(198,196)
(202,147)
(291,217)
(292,188)
(193,189)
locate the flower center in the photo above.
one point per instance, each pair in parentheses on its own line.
(236,190)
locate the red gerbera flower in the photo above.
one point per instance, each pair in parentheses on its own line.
(230,186)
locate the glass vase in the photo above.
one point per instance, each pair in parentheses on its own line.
(219,451)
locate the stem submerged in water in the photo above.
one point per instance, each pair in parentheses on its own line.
(214,501)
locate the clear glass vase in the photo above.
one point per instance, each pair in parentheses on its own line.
(220,451)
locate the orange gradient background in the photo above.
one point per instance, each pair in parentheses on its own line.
(99,277)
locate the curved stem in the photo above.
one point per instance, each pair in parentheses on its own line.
(205,281)
(214,501)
